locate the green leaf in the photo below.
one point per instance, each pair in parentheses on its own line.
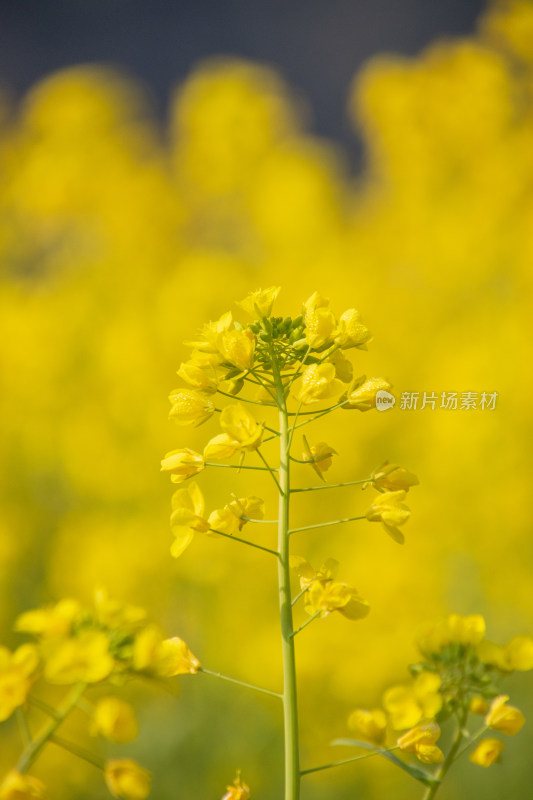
(414,772)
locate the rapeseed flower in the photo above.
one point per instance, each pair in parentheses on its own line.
(232,517)
(369,725)
(239,790)
(317,382)
(54,620)
(487,752)
(420,740)
(361,394)
(350,331)
(16,677)
(392,478)
(241,432)
(238,347)
(115,720)
(189,407)
(187,517)
(182,464)
(127,780)
(504,718)
(260,302)
(82,659)
(319,321)
(319,456)
(17,786)
(389,509)
(164,658)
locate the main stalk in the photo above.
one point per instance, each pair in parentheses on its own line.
(290,705)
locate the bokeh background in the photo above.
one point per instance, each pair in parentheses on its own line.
(188,160)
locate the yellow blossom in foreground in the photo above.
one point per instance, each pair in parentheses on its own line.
(232,517)
(392,478)
(115,614)
(176,658)
(350,331)
(238,347)
(389,509)
(189,407)
(458,629)
(21,787)
(319,321)
(494,654)
(187,517)
(317,382)
(182,464)
(326,596)
(407,705)
(429,754)
(241,432)
(504,718)
(478,705)
(51,621)
(466,630)
(260,302)
(83,659)
(16,670)
(487,752)
(369,725)
(239,790)
(421,741)
(319,456)
(115,720)
(126,779)
(362,393)
(427,733)
(519,653)
(164,658)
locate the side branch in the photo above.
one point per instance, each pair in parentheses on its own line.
(245,541)
(324,524)
(240,683)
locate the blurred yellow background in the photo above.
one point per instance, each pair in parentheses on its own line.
(119,240)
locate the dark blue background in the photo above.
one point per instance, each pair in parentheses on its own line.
(317,45)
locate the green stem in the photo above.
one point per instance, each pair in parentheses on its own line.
(234,466)
(290,703)
(431,791)
(300,594)
(32,752)
(244,541)
(25,733)
(80,752)
(324,524)
(267,465)
(245,399)
(307,622)
(347,760)
(320,414)
(327,485)
(240,683)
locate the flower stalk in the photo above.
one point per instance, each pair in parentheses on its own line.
(290,701)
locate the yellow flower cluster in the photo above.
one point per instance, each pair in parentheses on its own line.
(81,644)
(309,351)
(78,645)
(453,680)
